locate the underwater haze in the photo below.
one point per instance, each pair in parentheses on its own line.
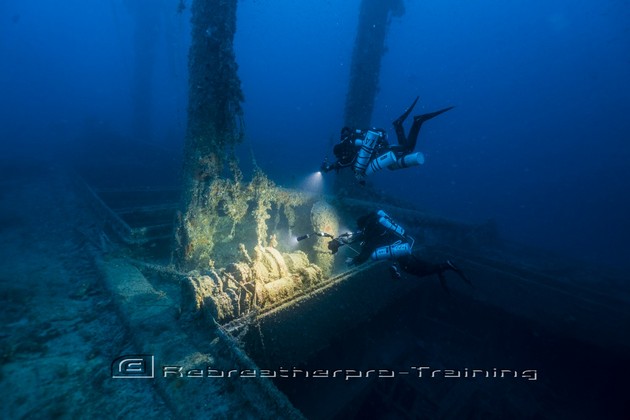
(114,254)
(538,140)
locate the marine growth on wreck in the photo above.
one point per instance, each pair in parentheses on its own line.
(235,235)
(232,240)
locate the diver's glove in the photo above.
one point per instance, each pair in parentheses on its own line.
(327,167)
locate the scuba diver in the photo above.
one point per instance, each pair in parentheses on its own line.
(376,231)
(368,151)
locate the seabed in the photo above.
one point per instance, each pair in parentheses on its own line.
(87,277)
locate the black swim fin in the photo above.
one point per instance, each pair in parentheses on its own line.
(404,116)
(425,117)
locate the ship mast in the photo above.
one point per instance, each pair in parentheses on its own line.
(214,113)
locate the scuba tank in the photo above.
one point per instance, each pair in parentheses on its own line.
(358,137)
(396,250)
(380,162)
(387,221)
(392,163)
(367,149)
(412,159)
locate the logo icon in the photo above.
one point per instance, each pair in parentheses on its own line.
(139,366)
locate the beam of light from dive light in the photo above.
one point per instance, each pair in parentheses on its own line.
(314,182)
(291,241)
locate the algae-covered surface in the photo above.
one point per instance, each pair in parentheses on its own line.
(74,303)
(60,330)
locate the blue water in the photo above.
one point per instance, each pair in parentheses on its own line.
(538,140)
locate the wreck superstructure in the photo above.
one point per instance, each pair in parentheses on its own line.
(271,308)
(214,127)
(369,48)
(234,295)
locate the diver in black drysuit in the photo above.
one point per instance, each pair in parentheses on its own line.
(346,151)
(375,238)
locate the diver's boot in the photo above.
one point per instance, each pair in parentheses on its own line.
(419,119)
(404,116)
(450,266)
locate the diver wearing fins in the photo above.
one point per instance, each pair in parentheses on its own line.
(376,231)
(368,151)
